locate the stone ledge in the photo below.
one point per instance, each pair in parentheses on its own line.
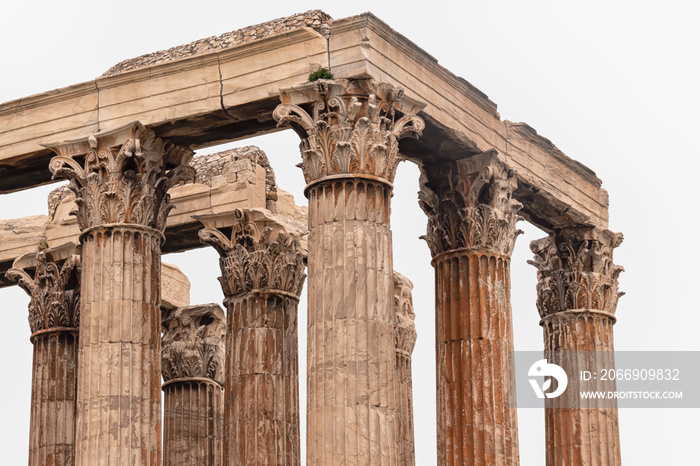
(314,19)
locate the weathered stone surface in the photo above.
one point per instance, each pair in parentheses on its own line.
(350,132)
(193,343)
(237,178)
(471,234)
(54,315)
(554,189)
(234,165)
(126,186)
(405,336)
(121,188)
(577,294)
(26,235)
(53,283)
(575,271)
(350,138)
(262,274)
(354,127)
(193,375)
(214,100)
(470,205)
(315,19)
(286,207)
(119,357)
(200,88)
(174,287)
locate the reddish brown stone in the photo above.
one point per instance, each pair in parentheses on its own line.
(577,294)
(262,278)
(53,286)
(471,233)
(349,158)
(193,423)
(120,179)
(193,375)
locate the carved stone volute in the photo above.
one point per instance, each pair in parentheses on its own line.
(575,270)
(404,323)
(352,128)
(253,260)
(194,343)
(121,176)
(54,288)
(470,205)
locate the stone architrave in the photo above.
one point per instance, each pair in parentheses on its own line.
(350,131)
(577,294)
(405,336)
(120,179)
(193,382)
(471,234)
(54,314)
(262,275)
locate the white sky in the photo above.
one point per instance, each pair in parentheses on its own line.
(613,84)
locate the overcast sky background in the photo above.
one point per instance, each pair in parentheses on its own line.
(613,84)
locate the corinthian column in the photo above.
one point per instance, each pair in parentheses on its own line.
(405,335)
(471,234)
(193,376)
(262,277)
(349,157)
(577,294)
(53,286)
(120,179)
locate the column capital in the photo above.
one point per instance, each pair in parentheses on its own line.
(470,205)
(194,343)
(349,127)
(54,288)
(575,270)
(404,318)
(255,260)
(121,175)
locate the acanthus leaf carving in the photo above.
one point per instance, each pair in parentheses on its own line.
(351,134)
(194,343)
(124,176)
(257,260)
(470,205)
(54,291)
(575,271)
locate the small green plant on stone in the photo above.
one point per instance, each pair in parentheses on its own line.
(320,73)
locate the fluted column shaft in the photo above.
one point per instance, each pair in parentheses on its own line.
(350,131)
(120,179)
(474,342)
(577,298)
(262,275)
(193,423)
(52,418)
(119,419)
(262,383)
(578,434)
(53,319)
(405,430)
(405,337)
(193,374)
(471,233)
(351,398)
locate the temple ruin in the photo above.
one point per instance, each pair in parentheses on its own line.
(113,327)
